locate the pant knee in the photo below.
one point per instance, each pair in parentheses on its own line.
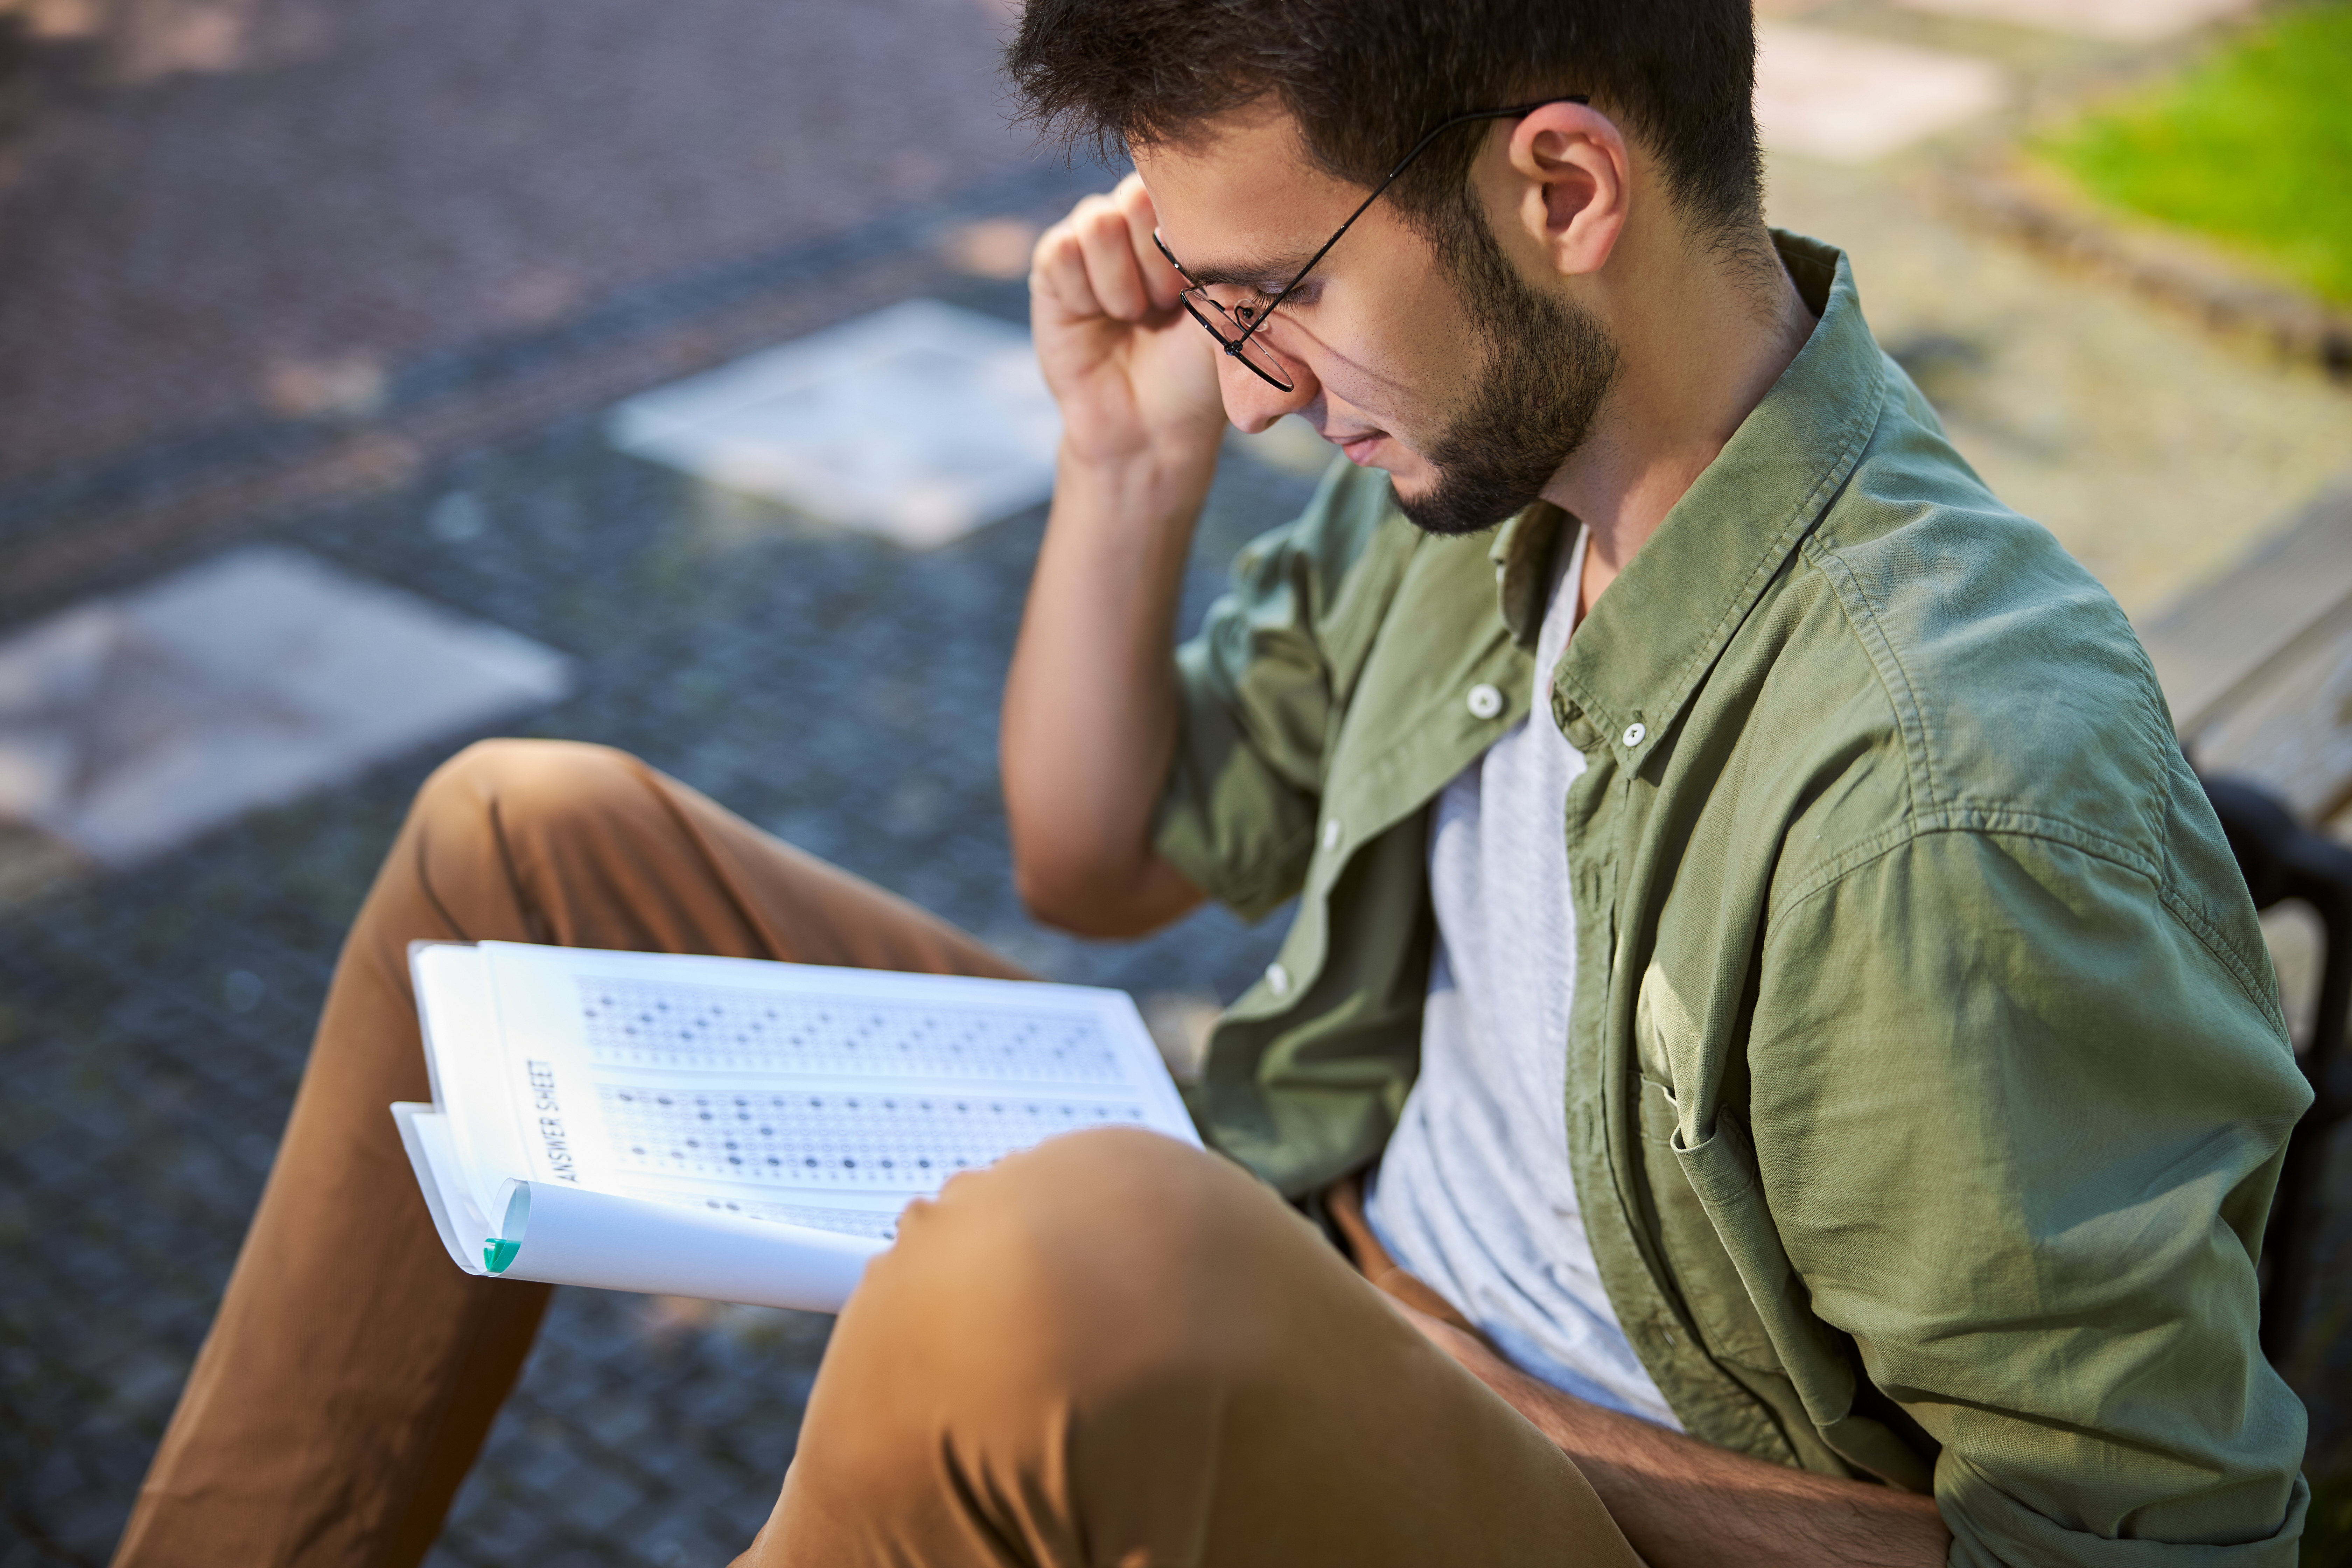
(1095,1261)
(505,838)
(1038,1328)
(522,783)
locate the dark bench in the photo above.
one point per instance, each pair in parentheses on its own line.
(2258,668)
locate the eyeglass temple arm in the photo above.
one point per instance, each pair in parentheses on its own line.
(1448,123)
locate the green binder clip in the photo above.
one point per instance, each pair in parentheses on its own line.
(498,1251)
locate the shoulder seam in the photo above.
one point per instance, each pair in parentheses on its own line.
(1999,824)
(1984,822)
(2192,919)
(1862,618)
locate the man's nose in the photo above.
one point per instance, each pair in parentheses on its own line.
(1252,403)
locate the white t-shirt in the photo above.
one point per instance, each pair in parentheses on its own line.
(1474,1193)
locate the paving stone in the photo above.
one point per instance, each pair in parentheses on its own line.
(919,422)
(133,724)
(1850,98)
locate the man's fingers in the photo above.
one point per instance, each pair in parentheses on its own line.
(1113,271)
(1058,270)
(1101,260)
(1160,279)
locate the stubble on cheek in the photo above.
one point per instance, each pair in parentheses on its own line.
(1547,369)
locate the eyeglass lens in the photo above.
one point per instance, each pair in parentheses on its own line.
(1221,324)
(1227,328)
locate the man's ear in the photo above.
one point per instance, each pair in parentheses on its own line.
(1572,179)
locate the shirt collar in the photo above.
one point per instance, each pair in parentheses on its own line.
(1522,554)
(1634,662)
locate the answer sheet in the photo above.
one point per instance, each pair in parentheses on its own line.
(820,1098)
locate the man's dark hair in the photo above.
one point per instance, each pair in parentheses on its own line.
(1364,79)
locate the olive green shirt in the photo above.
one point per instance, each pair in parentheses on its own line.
(1927,1080)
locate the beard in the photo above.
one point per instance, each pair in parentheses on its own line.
(1549,363)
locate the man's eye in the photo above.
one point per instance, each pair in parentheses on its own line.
(1255,303)
(1244,305)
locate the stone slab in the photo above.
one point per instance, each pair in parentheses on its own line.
(132,723)
(919,422)
(1849,99)
(2123,21)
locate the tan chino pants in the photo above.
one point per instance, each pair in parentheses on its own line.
(1111,1350)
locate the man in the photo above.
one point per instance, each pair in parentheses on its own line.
(1769,1007)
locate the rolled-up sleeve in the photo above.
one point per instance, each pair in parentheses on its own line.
(2018,1112)
(1261,687)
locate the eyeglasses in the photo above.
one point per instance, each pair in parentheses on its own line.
(1234,327)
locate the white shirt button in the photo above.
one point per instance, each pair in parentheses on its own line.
(1485,701)
(1634,735)
(1331,834)
(1278,979)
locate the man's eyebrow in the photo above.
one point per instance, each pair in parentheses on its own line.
(1265,276)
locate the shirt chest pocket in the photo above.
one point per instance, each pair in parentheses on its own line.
(1669,1047)
(1713,1293)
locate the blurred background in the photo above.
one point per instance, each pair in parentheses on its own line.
(378,376)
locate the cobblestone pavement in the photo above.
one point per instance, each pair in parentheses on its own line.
(364,238)
(257,253)
(379,254)
(239,210)
(836,690)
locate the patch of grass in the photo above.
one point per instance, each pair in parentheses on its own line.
(2251,146)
